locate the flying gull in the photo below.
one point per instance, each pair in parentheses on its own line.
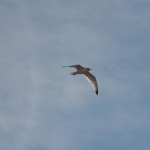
(85,72)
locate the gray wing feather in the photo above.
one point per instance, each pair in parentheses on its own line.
(75,66)
(92,80)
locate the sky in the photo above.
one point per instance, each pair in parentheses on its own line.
(43,107)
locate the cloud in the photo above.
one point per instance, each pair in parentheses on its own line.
(42,106)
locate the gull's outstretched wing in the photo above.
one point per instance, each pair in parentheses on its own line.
(92,80)
(78,67)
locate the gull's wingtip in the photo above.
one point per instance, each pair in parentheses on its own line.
(64,66)
(96,92)
(67,66)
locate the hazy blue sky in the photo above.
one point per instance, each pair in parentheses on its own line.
(43,107)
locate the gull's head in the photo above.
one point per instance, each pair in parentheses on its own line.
(89,69)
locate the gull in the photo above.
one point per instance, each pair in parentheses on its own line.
(85,72)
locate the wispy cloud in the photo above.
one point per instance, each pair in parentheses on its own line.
(42,106)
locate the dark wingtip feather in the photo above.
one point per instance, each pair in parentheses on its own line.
(96,92)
